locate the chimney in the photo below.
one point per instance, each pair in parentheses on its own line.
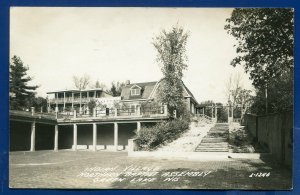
(127,82)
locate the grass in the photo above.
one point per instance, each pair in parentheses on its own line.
(240,141)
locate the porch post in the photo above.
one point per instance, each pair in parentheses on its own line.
(138,126)
(56,105)
(216,111)
(165,110)
(94,137)
(138,110)
(94,112)
(32,137)
(64,101)
(212,111)
(56,138)
(116,136)
(72,100)
(80,109)
(74,137)
(228,112)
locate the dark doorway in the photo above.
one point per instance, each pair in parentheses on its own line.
(65,136)
(19,136)
(44,137)
(126,131)
(105,134)
(85,134)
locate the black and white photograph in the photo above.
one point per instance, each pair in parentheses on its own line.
(151,98)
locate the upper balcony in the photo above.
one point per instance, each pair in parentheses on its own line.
(69,100)
(114,114)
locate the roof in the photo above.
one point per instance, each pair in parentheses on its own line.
(75,90)
(146,90)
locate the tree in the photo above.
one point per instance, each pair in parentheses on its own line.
(39,103)
(233,86)
(98,84)
(81,82)
(20,91)
(265,47)
(172,58)
(116,88)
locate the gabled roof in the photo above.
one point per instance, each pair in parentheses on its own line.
(148,90)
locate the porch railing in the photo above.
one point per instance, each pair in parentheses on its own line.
(116,112)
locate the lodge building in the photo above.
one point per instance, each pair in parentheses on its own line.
(70,123)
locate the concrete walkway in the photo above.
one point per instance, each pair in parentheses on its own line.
(189,140)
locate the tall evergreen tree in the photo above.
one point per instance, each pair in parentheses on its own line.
(20,91)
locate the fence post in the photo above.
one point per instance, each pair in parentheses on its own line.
(116,111)
(94,112)
(74,115)
(165,110)
(32,111)
(138,110)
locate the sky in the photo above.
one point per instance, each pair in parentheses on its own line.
(115,44)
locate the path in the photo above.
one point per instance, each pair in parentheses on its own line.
(189,140)
(216,139)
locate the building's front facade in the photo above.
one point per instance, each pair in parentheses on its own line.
(136,94)
(135,98)
(70,100)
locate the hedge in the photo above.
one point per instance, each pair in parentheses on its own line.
(150,138)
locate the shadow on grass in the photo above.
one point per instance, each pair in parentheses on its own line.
(241,142)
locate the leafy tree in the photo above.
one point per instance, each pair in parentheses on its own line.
(116,88)
(265,48)
(39,103)
(91,105)
(20,91)
(98,84)
(172,58)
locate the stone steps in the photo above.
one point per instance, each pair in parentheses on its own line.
(211,150)
(215,140)
(205,140)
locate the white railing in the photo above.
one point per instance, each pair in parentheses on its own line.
(115,113)
(69,100)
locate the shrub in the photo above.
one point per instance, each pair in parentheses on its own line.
(149,138)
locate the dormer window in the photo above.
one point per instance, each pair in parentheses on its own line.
(135,90)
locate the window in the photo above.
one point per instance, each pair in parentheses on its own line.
(135,91)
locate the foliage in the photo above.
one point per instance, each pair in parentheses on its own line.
(171,48)
(280,97)
(40,104)
(21,94)
(265,49)
(265,41)
(116,88)
(81,82)
(149,138)
(91,105)
(222,114)
(240,141)
(99,85)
